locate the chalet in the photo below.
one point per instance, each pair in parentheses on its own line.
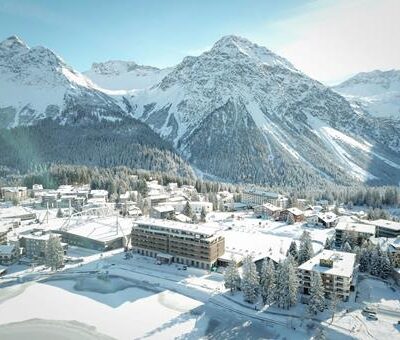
(297,214)
(268,209)
(328,219)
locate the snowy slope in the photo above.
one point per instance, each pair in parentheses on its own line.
(243,113)
(124,75)
(35,84)
(376,92)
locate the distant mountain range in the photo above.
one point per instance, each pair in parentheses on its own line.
(376,92)
(238,112)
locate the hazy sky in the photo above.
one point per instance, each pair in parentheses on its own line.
(327,39)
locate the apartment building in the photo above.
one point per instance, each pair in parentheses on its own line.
(268,209)
(385,228)
(337,270)
(253,197)
(8,253)
(358,232)
(189,244)
(14,193)
(34,244)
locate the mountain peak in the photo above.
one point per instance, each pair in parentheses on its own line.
(237,46)
(12,43)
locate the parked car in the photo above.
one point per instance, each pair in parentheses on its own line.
(371,316)
(369,309)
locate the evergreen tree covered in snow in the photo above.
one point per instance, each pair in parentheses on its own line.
(316,302)
(386,266)
(286,284)
(290,219)
(329,243)
(231,276)
(60,213)
(250,283)
(203,215)
(293,250)
(54,253)
(346,247)
(306,251)
(376,262)
(268,282)
(187,210)
(320,334)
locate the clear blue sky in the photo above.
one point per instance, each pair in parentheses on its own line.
(147,31)
(162,32)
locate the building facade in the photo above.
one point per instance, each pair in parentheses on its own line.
(254,197)
(193,245)
(337,270)
(385,228)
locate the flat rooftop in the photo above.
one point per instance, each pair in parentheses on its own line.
(357,227)
(260,192)
(343,263)
(14,212)
(203,229)
(387,224)
(258,245)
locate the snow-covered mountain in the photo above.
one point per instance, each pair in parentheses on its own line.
(125,75)
(238,112)
(36,83)
(376,92)
(55,114)
(243,113)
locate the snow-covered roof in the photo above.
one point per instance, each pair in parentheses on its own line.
(342,263)
(102,229)
(327,217)
(258,245)
(271,207)
(260,192)
(14,212)
(204,229)
(387,224)
(295,211)
(7,249)
(356,227)
(163,208)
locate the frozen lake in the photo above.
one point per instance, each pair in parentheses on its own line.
(118,308)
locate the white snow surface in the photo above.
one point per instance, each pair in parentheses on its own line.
(118,75)
(377,92)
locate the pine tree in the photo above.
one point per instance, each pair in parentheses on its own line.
(306,251)
(60,213)
(328,243)
(386,266)
(203,215)
(293,250)
(320,334)
(290,219)
(346,247)
(316,302)
(286,284)
(268,282)
(187,210)
(54,253)
(231,276)
(250,280)
(375,264)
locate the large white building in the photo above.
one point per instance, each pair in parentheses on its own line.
(337,270)
(253,197)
